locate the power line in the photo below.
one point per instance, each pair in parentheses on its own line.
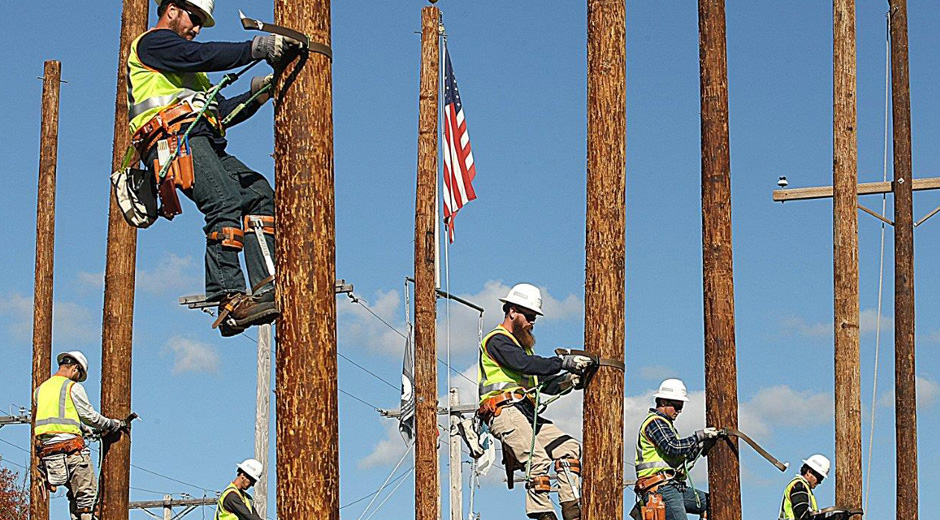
(366,370)
(173,479)
(347,394)
(396,479)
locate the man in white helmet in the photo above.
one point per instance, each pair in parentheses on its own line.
(166,86)
(799,503)
(662,457)
(62,415)
(234,502)
(507,368)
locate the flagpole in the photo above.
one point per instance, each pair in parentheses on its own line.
(437,179)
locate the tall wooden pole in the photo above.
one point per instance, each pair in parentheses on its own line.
(456,473)
(426,470)
(721,377)
(905,394)
(848,392)
(306,400)
(45,247)
(263,417)
(118,321)
(604,327)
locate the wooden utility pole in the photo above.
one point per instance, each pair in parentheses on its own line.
(456,473)
(263,417)
(118,321)
(306,400)
(45,248)
(604,327)
(905,392)
(848,392)
(721,376)
(426,470)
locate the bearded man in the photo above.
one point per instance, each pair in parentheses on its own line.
(508,369)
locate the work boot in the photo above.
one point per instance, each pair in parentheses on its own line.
(571,510)
(545,516)
(245,311)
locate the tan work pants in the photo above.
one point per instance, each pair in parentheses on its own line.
(81,485)
(551,444)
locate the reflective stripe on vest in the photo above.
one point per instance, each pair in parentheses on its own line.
(651,460)
(221,513)
(786,508)
(55,410)
(149,91)
(495,379)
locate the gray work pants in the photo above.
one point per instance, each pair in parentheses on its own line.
(82,485)
(515,431)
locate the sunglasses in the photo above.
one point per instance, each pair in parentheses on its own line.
(530,317)
(195,18)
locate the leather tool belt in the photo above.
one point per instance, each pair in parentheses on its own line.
(67,447)
(651,483)
(166,123)
(493,406)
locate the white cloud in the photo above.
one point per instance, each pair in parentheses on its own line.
(867,324)
(171,275)
(192,356)
(927,392)
(657,372)
(359,327)
(90,281)
(387,451)
(781,405)
(71,322)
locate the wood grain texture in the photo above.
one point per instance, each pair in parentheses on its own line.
(721,394)
(119,277)
(605,262)
(45,256)
(427,503)
(904,379)
(306,401)
(847,384)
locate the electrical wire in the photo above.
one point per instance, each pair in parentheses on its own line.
(396,479)
(347,394)
(366,370)
(388,496)
(385,484)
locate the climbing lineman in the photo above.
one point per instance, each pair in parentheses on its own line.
(663,459)
(63,415)
(508,372)
(235,503)
(176,120)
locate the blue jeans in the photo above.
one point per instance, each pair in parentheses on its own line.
(225,190)
(680,500)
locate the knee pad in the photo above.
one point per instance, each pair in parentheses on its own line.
(230,237)
(573,465)
(541,483)
(264,222)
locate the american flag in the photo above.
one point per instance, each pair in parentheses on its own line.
(459,170)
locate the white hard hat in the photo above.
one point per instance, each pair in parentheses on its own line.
(525,295)
(819,463)
(80,358)
(204,6)
(252,468)
(672,389)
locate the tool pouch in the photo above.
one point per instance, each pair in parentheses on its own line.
(179,174)
(655,508)
(136,195)
(56,469)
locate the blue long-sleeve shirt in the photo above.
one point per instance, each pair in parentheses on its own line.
(164,50)
(664,437)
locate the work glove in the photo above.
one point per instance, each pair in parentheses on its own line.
(258,83)
(576,363)
(274,48)
(707,434)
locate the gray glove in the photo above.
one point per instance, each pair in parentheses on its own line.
(274,48)
(576,363)
(258,83)
(708,433)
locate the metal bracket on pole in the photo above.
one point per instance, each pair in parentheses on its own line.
(932,213)
(22,418)
(198,301)
(877,216)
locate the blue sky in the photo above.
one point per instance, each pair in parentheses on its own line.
(521,72)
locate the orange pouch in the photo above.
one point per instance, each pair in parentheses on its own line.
(655,508)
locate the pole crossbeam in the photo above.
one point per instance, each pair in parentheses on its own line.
(865,188)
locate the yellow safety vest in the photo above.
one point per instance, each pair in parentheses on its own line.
(55,410)
(495,379)
(650,459)
(221,513)
(149,91)
(786,508)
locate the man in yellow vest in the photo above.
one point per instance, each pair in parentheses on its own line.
(166,86)
(799,503)
(62,414)
(234,502)
(507,368)
(662,457)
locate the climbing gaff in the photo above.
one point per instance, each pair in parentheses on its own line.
(731,432)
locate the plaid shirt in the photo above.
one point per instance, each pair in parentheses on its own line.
(664,437)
